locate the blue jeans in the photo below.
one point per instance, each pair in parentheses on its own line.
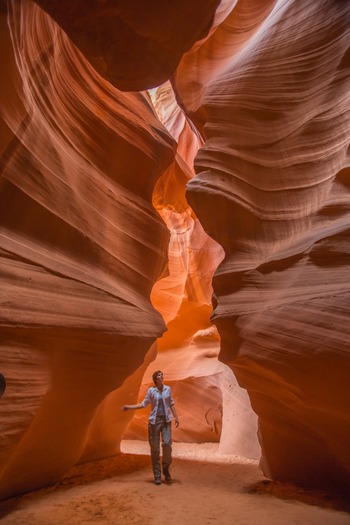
(154,432)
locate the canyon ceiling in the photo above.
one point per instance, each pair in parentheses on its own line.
(175,195)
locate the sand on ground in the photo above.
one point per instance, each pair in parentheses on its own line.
(207,488)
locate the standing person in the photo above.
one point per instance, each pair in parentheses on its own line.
(159,422)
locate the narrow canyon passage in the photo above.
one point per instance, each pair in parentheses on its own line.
(175,195)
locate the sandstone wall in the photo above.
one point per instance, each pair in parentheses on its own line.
(81,246)
(121,207)
(272,187)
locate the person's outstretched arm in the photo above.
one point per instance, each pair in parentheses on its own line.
(143,403)
(132,407)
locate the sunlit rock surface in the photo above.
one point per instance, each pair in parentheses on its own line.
(209,401)
(212,405)
(118,208)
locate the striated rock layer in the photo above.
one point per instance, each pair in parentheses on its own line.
(95,187)
(273,188)
(80,248)
(102,248)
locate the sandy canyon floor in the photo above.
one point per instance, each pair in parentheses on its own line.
(207,488)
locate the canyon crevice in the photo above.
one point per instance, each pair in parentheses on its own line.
(175,195)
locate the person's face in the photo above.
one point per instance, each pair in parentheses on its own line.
(159,379)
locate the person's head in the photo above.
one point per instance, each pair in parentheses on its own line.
(157,375)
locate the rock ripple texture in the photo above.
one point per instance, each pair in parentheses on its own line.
(272,187)
(102,247)
(81,246)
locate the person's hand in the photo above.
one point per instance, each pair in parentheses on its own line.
(177,422)
(124,408)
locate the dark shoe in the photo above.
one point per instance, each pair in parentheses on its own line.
(166,474)
(158,481)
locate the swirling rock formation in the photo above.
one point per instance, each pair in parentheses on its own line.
(102,246)
(273,189)
(81,246)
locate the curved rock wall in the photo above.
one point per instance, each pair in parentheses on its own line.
(133,45)
(81,247)
(272,187)
(102,248)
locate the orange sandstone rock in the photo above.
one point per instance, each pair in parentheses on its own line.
(133,44)
(118,208)
(81,246)
(272,187)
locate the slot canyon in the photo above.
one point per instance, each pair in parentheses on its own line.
(175,195)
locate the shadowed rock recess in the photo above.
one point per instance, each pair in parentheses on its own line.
(175,194)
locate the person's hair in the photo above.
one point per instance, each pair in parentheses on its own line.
(154,375)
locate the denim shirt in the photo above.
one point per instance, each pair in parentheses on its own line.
(153,396)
